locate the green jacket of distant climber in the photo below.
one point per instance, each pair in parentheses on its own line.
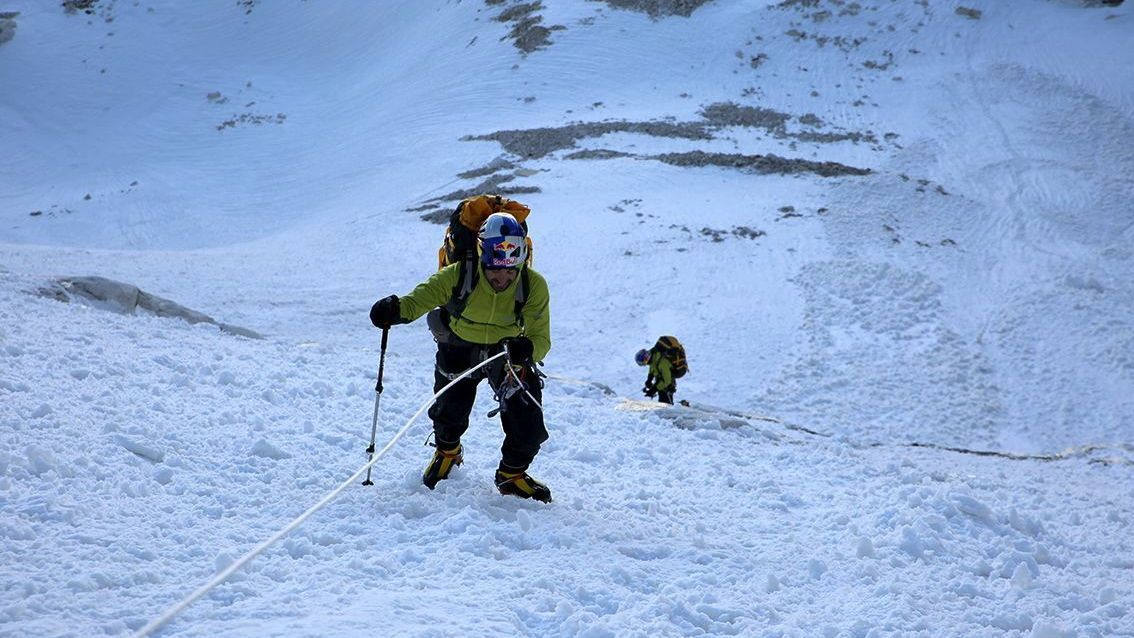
(489,316)
(661,373)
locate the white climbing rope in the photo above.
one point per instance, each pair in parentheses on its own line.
(219,578)
(524,387)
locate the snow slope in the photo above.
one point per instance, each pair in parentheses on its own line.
(268,164)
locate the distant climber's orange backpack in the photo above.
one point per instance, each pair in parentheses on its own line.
(671,349)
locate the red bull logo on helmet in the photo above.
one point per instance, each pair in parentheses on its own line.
(507,252)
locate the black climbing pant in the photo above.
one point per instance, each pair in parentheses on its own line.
(521,419)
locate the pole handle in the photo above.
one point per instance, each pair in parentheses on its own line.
(382,360)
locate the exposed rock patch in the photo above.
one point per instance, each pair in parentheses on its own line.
(8,25)
(830,138)
(775,123)
(757,60)
(811,119)
(528,33)
(437,214)
(127,299)
(732,114)
(598,153)
(741,232)
(74,6)
(658,8)
(538,142)
(762,164)
(843,43)
(519,11)
(880,66)
(496,165)
(252,118)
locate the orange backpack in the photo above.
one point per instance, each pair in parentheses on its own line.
(460,246)
(670,348)
(460,241)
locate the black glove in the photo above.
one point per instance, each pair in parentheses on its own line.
(386,312)
(649,391)
(520,350)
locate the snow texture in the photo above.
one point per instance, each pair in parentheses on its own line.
(911,396)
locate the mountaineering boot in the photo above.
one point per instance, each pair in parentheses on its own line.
(442,463)
(521,484)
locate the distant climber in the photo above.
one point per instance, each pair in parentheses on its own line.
(667,364)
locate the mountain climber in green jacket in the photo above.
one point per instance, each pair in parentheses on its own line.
(477,311)
(660,381)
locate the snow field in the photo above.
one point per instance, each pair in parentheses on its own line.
(665,550)
(972,291)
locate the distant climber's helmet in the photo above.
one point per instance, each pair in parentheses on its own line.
(642,357)
(502,242)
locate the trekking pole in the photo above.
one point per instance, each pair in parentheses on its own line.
(377,398)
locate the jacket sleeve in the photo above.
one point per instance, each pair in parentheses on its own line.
(431,293)
(537,318)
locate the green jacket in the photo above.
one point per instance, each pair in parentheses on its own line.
(661,372)
(489,316)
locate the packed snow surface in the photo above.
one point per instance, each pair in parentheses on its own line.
(895,236)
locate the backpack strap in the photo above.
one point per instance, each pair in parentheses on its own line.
(521,297)
(466,281)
